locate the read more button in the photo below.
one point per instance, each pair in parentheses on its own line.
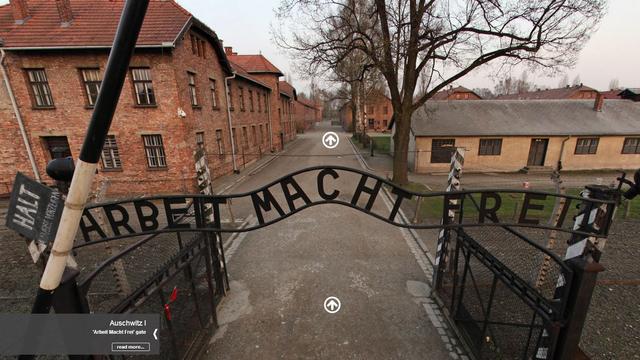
(130,346)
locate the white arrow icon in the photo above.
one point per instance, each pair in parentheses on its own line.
(155,334)
(332,305)
(330,140)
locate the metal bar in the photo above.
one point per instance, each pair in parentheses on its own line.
(208,261)
(163,301)
(467,257)
(487,313)
(531,327)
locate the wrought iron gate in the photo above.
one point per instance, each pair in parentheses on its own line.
(508,292)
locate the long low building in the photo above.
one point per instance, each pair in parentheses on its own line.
(513,135)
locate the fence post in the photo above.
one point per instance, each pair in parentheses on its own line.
(582,256)
(457,160)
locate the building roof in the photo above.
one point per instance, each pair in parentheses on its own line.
(444,94)
(242,72)
(94,25)
(526,118)
(633,91)
(306,102)
(611,94)
(255,64)
(549,94)
(287,90)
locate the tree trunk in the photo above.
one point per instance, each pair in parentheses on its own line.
(354,113)
(401,147)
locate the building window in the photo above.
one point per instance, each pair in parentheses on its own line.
(235,138)
(245,138)
(261,134)
(442,150)
(110,153)
(57,146)
(251,100)
(200,139)
(230,98)
(198,46)
(192,89)
(586,146)
(214,93)
(490,147)
(154,150)
(143,86)
(40,90)
(255,135)
(631,146)
(241,94)
(91,80)
(265,103)
(259,102)
(220,143)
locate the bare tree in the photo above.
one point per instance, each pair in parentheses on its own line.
(614,84)
(434,42)
(564,81)
(576,81)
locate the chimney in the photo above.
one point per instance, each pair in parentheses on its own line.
(20,10)
(64,12)
(597,105)
(228,50)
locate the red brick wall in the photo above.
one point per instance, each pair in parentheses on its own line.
(70,118)
(13,154)
(287,120)
(250,148)
(205,117)
(304,116)
(271,80)
(375,109)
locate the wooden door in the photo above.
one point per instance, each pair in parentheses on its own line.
(537,152)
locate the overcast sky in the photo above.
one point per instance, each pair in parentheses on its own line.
(613,52)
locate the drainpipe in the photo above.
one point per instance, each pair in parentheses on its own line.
(233,145)
(270,127)
(559,165)
(16,111)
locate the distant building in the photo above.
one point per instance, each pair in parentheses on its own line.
(261,69)
(377,113)
(305,114)
(456,93)
(567,92)
(513,135)
(630,94)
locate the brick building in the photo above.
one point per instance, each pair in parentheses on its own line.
(287,98)
(305,114)
(567,92)
(174,99)
(261,69)
(456,93)
(378,111)
(249,113)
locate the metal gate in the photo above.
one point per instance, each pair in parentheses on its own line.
(510,294)
(181,276)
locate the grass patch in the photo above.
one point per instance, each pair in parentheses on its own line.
(510,208)
(381,143)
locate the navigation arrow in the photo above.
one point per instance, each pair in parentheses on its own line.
(332,304)
(155,334)
(330,140)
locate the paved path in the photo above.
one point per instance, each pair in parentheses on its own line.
(280,276)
